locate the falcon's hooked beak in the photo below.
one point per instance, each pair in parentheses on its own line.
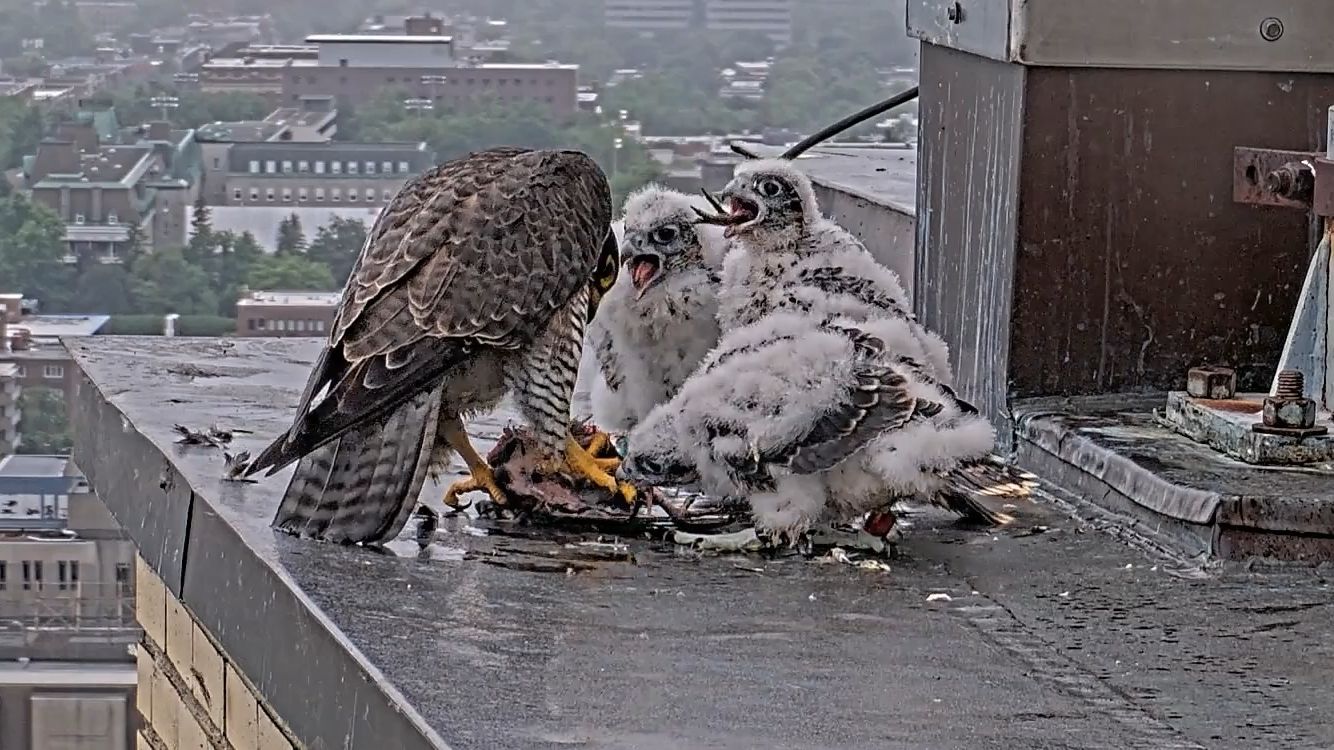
(645,271)
(743,211)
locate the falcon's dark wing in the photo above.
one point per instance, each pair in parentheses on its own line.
(476,254)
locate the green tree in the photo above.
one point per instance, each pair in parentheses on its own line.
(201,231)
(133,245)
(291,238)
(165,282)
(43,422)
(104,288)
(337,245)
(236,258)
(291,273)
(32,251)
(21,128)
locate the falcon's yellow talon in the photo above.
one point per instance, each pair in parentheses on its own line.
(582,463)
(628,493)
(482,479)
(598,443)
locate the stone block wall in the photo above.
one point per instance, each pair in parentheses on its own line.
(190,697)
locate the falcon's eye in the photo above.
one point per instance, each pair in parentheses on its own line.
(770,188)
(664,235)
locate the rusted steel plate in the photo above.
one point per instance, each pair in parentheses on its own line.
(1134,264)
(1322,204)
(1252,176)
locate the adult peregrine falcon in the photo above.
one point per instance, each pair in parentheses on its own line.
(476,281)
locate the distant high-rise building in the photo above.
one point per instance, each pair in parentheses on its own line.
(771,17)
(650,15)
(353,69)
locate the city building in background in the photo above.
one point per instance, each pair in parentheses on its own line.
(357,68)
(651,15)
(286,314)
(67,618)
(770,17)
(114,195)
(287,173)
(314,122)
(30,342)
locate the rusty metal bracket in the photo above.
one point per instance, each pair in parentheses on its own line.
(1272,177)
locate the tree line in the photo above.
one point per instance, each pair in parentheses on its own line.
(203,278)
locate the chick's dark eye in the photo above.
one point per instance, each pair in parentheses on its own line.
(770,188)
(664,234)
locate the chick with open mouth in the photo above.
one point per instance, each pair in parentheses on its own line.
(660,318)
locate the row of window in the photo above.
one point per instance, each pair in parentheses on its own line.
(335,195)
(48,371)
(303,166)
(449,81)
(34,575)
(260,324)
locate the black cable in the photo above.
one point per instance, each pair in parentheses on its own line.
(851,121)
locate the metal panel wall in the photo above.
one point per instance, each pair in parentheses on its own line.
(1134,263)
(967,205)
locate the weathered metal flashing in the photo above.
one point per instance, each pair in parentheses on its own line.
(1113,452)
(1290,36)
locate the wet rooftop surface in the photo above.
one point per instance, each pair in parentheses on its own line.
(1055,632)
(885,175)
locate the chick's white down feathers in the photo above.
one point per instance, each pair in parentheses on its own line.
(818,268)
(825,397)
(646,345)
(757,398)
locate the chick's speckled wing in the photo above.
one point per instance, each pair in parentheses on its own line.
(477,253)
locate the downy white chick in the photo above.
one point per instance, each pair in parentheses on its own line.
(784,255)
(811,421)
(660,318)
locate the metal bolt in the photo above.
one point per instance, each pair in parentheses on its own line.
(1271,29)
(1288,412)
(955,13)
(1211,383)
(1291,385)
(1294,181)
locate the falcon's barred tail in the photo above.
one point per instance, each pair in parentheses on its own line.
(363,486)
